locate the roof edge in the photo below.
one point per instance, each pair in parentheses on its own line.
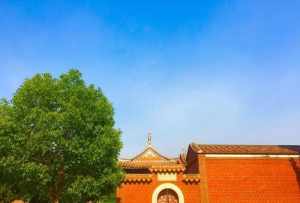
(286,149)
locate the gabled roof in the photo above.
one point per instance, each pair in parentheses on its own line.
(149,154)
(246,149)
(151,159)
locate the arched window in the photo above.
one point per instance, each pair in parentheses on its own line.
(167,193)
(167,196)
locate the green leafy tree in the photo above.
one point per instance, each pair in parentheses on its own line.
(58,141)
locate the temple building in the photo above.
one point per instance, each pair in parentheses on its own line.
(213,173)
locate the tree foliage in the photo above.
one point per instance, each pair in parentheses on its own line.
(58,141)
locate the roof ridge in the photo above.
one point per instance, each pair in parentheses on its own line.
(245,149)
(246,145)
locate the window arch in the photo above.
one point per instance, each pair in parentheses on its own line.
(167,187)
(167,196)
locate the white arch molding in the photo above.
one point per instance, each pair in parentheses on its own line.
(167,186)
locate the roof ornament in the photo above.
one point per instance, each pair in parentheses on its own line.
(183,151)
(149,139)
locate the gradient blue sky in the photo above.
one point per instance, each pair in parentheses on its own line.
(189,71)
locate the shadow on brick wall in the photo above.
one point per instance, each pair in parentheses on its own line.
(296,168)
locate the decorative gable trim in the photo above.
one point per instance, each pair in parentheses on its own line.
(150,153)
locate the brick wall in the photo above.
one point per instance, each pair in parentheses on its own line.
(253,180)
(229,180)
(142,192)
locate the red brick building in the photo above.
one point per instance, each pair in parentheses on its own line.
(213,173)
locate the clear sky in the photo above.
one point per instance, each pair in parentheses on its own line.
(189,71)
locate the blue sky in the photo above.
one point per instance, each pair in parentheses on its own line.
(189,71)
